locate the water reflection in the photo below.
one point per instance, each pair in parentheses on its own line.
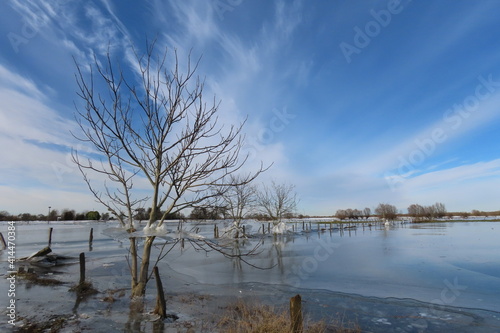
(403,260)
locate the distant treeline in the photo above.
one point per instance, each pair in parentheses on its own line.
(72,215)
(141,214)
(385,211)
(55,215)
(415,211)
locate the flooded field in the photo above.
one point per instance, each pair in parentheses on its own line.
(432,277)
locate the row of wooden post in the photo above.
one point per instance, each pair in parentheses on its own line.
(160,309)
(294,228)
(91,236)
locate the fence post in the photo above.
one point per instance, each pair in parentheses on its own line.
(296,314)
(82,268)
(50,236)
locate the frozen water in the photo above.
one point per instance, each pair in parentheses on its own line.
(437,277)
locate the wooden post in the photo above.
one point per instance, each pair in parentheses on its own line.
(50,236)
(215,230)
(40,253)
(296,314)
(161,306)
(91,236)
(303,225)
(263,229)
(3,241)
(269,227)
(82,268)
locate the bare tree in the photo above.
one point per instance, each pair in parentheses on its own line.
(419,212)
(238,200)
(367,212)
(357,214)
(153,127)
(341,214)
(386,211)
(440,210)
(277,201)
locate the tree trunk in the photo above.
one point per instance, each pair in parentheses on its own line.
(161,307)
(140,288)
(133,263)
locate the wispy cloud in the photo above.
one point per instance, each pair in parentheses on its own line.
(39,141)
(24,114)
(10,80)
(454,123)
(288,17)
(197,20)
(458,186)
(346,127)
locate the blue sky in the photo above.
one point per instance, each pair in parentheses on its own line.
(355,102)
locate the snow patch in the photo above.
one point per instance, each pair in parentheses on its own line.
(162,229)
(185,234)
(281,228)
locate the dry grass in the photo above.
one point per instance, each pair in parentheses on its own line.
(34,278)
(244,318)
(84,289)
(257,318)
(53,324)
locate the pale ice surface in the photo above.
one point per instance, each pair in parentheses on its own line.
(432,277)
